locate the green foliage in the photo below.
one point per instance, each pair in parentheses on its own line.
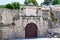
(47,2)
(26,2)
(16,5)
(35,2)
(9,6)
(58,1)
(13,5)
(54,2)
(52,17)
(2,6)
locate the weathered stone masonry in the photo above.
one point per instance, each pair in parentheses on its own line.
(18,31)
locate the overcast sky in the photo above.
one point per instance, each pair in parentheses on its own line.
(21,1)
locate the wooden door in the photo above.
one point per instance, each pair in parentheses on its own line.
(31,30)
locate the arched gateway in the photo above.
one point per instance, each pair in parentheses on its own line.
(31,30)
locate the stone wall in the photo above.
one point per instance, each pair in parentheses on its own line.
(22,22)
(8,32)
(18,31)
(8,14)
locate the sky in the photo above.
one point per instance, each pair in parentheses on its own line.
(2,2)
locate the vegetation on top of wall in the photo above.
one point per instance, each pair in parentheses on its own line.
(26,2)
(47,2)
(2,6)
(16,5)
(13,5)
(54,2)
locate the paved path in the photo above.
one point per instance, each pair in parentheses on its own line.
(25,39)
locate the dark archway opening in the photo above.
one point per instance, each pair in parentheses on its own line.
(31,30)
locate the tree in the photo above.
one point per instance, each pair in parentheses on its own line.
(13,5)
(16,5)
(58,1)
(54,2)
(9,6)
(26,2)
(47,2)
(2,6)
(35,2)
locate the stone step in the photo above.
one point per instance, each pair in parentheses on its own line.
(26,39)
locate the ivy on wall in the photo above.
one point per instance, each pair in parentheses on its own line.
(52,17)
